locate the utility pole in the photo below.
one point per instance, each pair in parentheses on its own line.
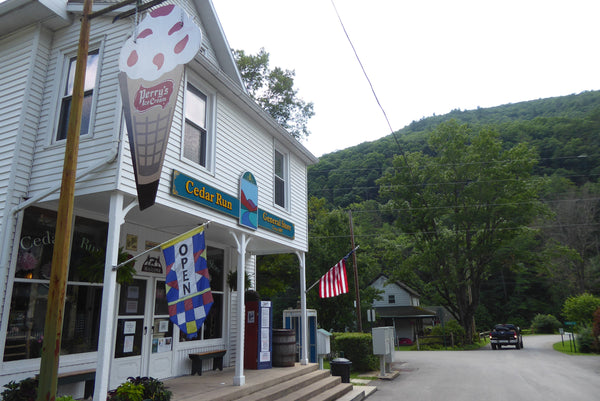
(356,289)
(48,381)
(62,237)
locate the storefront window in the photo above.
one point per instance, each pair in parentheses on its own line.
(213,325)
(81,318)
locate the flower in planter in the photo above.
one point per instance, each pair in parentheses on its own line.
(26,261)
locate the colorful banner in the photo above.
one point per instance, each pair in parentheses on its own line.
(187,281)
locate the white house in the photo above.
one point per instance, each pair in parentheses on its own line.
(124,330)
(399,307)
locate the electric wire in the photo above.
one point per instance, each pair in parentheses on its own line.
(370,84)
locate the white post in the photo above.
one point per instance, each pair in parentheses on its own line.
(109,289)
(242,242)
(304,318)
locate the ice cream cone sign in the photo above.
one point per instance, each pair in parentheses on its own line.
(151,69)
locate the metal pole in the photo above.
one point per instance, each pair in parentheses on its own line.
(62,245)
(358,314)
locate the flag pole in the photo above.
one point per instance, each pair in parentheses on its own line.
(317,282)
(155,247)
(356,290)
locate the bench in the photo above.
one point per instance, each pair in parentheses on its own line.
(87,375)
(197,358)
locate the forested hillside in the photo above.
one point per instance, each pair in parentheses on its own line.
(502,200)
(565,131)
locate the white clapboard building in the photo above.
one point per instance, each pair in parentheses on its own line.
(218,137)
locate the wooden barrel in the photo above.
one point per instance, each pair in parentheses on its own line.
(284,348)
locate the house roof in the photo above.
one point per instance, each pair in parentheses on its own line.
(398,283)
(403,311)
(15,14)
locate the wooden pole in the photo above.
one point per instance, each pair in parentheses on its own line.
(62,244)
(356,289)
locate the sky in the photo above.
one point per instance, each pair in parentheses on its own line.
(423,58)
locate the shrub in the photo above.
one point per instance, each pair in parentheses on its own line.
(139,389)
(545,324)
(450,328)
(25,390)
(585,341)
(358,348)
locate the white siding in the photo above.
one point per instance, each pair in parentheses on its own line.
(401,296)
(23,60)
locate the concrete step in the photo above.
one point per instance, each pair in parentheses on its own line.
(326,389)
(277,391)
(335,393)
(358,393)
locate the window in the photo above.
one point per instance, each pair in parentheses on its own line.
(280,178)
(213,325)
(81,318)
(67,96)
(195,136)
(391,299)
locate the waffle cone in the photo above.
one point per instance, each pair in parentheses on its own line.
(149,107)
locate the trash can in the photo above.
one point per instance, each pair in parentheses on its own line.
(341,367)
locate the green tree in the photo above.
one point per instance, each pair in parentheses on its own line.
(581,308)
(273,90)
(329,241)
(464,204)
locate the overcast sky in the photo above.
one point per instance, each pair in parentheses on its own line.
(422,57)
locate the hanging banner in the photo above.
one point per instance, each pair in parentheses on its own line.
(151,65)
(187,281)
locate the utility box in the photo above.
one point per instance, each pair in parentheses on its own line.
(292,319)
(383,345)
(323,345)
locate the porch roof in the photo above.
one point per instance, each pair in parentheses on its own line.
(404,312)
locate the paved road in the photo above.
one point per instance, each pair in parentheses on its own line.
(536,372)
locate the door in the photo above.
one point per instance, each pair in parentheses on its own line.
(160,357)
(131,328)
(144,333)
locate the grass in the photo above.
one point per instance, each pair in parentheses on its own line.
(567,348)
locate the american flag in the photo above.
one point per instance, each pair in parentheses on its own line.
(335,281)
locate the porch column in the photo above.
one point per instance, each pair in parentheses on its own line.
(304,317)
(105,336)
(241,241)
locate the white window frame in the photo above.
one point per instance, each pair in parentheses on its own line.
(62,73)
(285,178)
(210,124)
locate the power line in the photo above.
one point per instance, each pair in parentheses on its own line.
(390,167)
(535,227)
(369,81)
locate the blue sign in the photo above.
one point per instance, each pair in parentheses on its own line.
(196,191)
(275,224)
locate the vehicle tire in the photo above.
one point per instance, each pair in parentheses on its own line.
(499,346)
(493,346)
(517,346)
(521,344)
